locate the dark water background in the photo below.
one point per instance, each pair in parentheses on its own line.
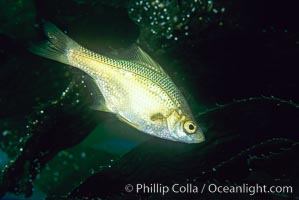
(235,61)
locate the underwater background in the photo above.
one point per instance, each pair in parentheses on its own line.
(236,63)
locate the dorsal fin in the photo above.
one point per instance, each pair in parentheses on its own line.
(136,54)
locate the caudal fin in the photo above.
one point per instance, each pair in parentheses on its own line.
(57,45)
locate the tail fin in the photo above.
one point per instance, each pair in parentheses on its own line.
(57,45)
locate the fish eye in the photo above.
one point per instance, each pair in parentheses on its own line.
(189,127)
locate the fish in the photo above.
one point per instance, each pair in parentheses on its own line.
(133,87)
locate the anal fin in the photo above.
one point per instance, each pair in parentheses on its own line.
(96,97)
(100,107)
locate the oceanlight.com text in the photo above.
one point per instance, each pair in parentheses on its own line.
(190,188)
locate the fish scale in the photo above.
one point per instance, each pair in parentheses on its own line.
(161,80)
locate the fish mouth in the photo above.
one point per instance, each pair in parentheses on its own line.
(197,138)
(192,139)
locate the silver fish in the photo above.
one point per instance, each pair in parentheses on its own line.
(136,89)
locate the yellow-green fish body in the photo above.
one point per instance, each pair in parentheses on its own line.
(136,88)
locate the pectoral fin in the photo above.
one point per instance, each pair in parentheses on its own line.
(158,117)
(122,119)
